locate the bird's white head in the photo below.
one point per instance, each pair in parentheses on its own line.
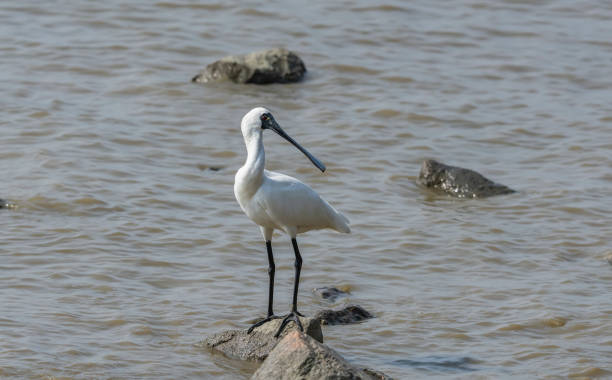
(252,122)
(260,118)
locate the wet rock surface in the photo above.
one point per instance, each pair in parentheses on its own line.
(295,354)
(348,315)
(458,182)
(264,67)
(298,356)
(330,293)
(258,344)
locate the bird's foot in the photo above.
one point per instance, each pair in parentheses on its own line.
(265,320)
(293,316)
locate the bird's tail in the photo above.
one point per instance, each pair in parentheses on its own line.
(341,223)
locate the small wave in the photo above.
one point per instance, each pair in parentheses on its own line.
(258,13)
(352,69)
(397,79)
(88,201)
(440,363)
(537,324)
(590,373)
(91,72)
(516,68)
(420,117)
(381,8)
(39,114)
(124,141)
(364,41)
(154,263)
(209,7)
(386,113)
(141,330)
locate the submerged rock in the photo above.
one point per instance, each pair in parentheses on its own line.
(264,67)
(330,294)
(458,182)
(376,374)
(298,356)
(348,315)
(6,204)
(203,167)
(257,344)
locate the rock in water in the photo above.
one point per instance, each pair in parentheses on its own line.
(7,204)
(264,67)
(330,294)
(257,344)
(458,182)
(298,356)
(348,315)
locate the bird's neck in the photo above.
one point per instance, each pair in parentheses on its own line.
(255,162)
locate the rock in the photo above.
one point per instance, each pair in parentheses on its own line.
(203,167)
(458,182)
(348,315)
(298,356)
(257,344)
(330,294)
(264,67)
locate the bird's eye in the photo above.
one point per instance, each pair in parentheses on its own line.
(264,117)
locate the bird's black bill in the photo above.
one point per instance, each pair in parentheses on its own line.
(276,128)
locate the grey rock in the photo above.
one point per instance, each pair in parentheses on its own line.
(348,315)
(458,182)
(298,356)
(330,294)
(264,67)
(257,344)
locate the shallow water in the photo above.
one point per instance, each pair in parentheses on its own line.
(128,246)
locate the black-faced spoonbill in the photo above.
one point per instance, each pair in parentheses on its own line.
(277,201)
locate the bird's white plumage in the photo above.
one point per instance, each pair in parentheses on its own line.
(274,200)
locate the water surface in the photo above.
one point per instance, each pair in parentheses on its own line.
(128,246)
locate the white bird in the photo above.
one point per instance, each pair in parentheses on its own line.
(277,201)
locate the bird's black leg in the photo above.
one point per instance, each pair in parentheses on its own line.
(271,270)
(298,269)
(293,316)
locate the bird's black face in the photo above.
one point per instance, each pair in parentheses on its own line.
(268,122)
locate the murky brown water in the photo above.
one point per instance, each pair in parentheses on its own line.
(127,248)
